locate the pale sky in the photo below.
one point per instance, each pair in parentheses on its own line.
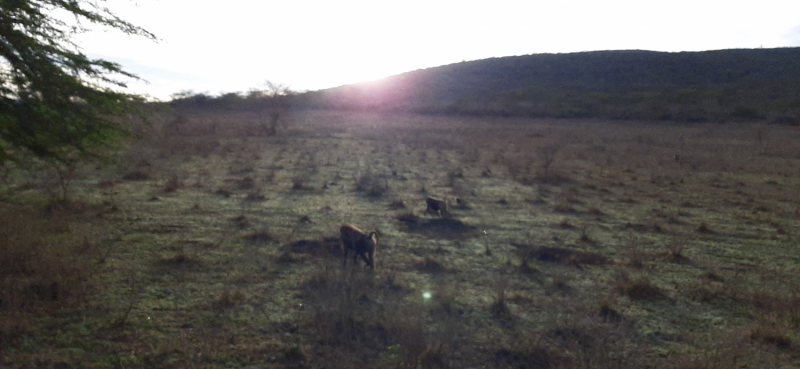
(234,45)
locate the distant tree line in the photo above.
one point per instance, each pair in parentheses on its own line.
(268,96)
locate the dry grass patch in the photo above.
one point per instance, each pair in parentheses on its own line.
(565,224)
(437,228)
(136,176)
(349,311)
(638,227)
(640,288)
(46,264)
(261,237)
(372,185)
(561,255)
(430,265)
(532,357)
(770,334)
(328,246)
(704,228)
(595,211)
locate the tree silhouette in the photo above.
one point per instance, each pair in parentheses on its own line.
(57,104)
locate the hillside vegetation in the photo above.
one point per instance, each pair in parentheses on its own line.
(714,86)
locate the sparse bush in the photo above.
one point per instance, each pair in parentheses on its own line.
(246,183)
(637,258)
(562,255)
(564,208)
(585,236)
(594,211)
(676,254)
(537,201)
(746,112)
(640,288)
(408,218)
(173,183)
(223,192)
(525,266)
(703,228)
(136,176)
(256,196)
(772,335)
(287,257)
(261,236)
(228,300)
(561,284)
(714,277)
(430,265)
(608,313)
(372,185)
(547,155)
(529,357)
(294,353)
(45,265)
(241,221)
(180,257)
(300,182)
(498,307)
(565,224)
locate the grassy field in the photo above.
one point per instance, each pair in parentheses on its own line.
(573,244)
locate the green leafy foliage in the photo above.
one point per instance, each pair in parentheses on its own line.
(56,103)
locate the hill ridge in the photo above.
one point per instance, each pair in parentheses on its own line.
(623,84)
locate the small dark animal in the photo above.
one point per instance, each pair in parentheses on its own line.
(438,206)
(362,243)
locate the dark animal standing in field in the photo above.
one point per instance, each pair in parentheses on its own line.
(438,206)
(360,242)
